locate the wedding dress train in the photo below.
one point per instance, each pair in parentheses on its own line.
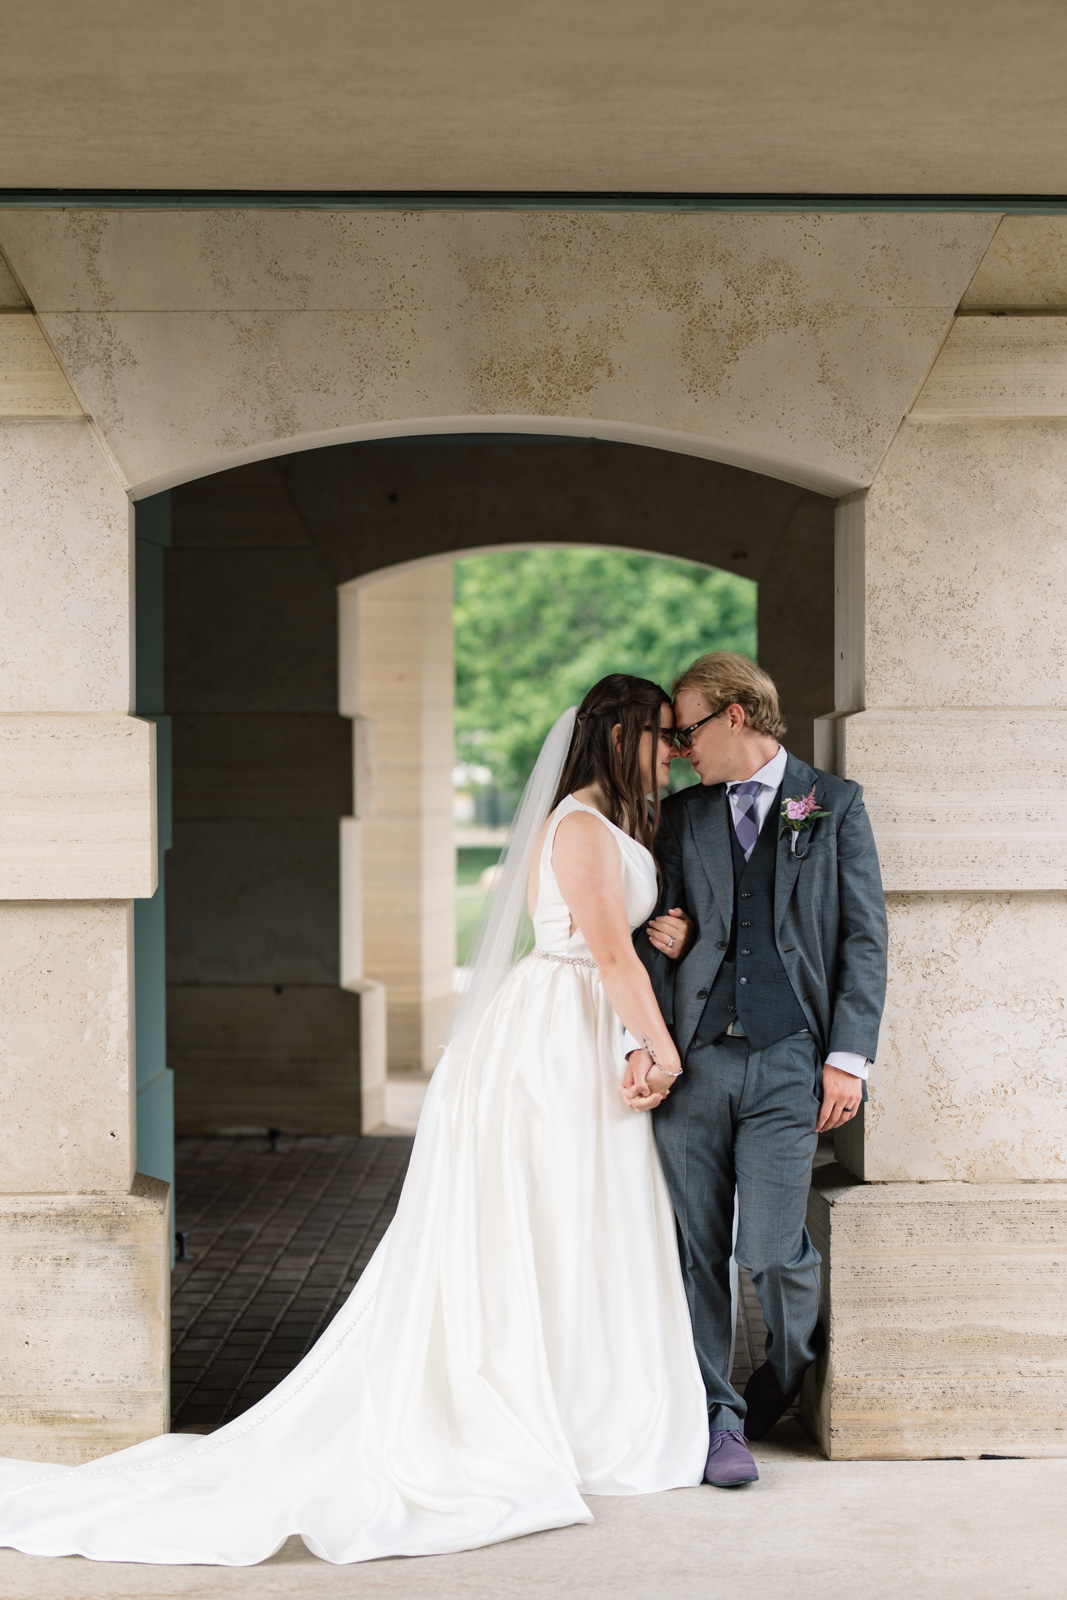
(520,1338)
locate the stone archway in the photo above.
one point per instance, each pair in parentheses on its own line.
(272,1021)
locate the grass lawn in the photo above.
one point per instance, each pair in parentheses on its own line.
(471,862)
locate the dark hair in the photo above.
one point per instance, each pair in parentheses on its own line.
(632,703)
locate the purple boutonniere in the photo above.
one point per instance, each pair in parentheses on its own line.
(801,812)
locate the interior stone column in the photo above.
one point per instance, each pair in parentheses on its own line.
(944,1226)
(405,701)
(84,1240)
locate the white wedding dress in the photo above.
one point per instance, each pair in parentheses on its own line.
(520,1338)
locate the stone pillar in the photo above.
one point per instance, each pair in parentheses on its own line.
(263,1028)
(944,1226)
(405,694)
(84,1241)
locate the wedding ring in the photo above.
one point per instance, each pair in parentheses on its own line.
(670,944)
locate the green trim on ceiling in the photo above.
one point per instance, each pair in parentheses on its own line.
(491,200)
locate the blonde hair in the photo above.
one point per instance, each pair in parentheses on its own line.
(725,679)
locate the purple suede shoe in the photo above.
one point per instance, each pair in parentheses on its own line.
(729,1462)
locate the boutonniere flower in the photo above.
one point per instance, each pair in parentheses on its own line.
(799,813)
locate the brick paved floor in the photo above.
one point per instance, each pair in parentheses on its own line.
(276,1239)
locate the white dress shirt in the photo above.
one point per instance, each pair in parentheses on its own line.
(770,776)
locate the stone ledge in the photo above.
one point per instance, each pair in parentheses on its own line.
(32,383)
(943,1306)
(941,818)
(77,807)
(84,1322)
(998,366)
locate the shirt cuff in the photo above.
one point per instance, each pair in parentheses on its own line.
(847,1061)
(629,1043)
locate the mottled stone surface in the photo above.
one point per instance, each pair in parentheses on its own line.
(66,1051)
(943,1306)
(966,568)
(794,344)
(77,808)
(84,1322)
(11,298)
(64,572)
(1024,269)
(971,1077)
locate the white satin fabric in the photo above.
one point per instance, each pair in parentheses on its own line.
(520,1338)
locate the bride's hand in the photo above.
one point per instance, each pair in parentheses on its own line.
(672,933)
(644,1085)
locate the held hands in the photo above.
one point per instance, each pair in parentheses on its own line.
(672,933)
(644,1086)
(841,1096)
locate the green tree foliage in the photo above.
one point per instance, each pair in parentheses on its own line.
(535,629)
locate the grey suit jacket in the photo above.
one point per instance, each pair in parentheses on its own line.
(829,909)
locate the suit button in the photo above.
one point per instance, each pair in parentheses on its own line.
(721,944)
(746,952)
(702,994)
(742,980)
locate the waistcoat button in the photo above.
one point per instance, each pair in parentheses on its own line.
(721,944)
(742,980)
(702,994)
(746,952)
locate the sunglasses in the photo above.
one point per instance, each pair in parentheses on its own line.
(683,737)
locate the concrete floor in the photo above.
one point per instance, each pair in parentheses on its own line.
(809,1530)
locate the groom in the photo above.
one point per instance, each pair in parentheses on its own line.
(768,959)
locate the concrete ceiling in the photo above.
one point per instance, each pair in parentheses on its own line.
(824,96)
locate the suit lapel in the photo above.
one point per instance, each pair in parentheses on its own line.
(709,829)
(797,779)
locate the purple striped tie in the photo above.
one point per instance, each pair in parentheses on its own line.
(743,811)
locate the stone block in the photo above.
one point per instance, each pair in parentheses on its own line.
(32,383)
(254,902)
(250,631)
(959,799)
(998,366)
(945,1312)
(971,1077)
(256,767)
(64,572)
(964,564)
(793,344)
(84,1322)
(66,1052)
(251,1057)
(11,296)
(1024,269)
(77,808)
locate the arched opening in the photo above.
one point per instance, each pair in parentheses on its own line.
(273,1022)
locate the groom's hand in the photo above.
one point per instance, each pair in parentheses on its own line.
(841,1096)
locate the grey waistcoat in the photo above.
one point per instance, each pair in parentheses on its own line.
(752,984)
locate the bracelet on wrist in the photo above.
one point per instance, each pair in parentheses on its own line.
(646,1044)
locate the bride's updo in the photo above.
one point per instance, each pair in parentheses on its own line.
(632,704)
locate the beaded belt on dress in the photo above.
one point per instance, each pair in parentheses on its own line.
(568,961)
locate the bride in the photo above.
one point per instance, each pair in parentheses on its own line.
(521,1336)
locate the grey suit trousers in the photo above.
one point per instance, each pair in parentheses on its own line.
(744,1118)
